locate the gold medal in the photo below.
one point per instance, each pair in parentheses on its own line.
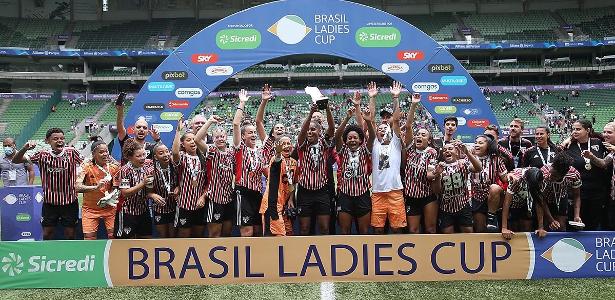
(588,167)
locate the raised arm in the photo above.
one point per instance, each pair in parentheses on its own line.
(243,98)
(416,98)
(119,119)
(200,135)
(330,123)
(260,114)
(19,156)
(356,102)
(371,131)
(176,140)
(372,92)
(339,132)
(395,91)
(306,125)
(476,166)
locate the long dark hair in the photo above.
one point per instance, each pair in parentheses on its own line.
(549,142)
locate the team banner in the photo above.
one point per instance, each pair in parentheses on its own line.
(171,262)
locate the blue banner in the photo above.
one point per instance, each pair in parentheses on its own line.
(20,213)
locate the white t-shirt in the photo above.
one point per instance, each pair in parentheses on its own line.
(386,165)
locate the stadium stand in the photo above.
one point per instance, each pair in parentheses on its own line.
(66,115)
(530,26)
(440,26)
(597,22)
(18,114)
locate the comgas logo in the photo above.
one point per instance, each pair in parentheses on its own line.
(425,87)
(189,93)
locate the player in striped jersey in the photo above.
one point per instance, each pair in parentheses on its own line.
(189,161)
(523,202)
(132,218)
(420,199)
(220,161)
(493,131)
(58,169)
(141,130)
(279,192)
(94,180)
(560,178)
(163,193)
(450,180)
(277,131)
(249,168)
(484,183)
(313,195)
(354,168)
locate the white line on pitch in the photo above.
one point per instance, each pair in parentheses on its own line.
(327,291)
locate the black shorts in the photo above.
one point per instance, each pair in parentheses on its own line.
(131,226)
(462,218)
(164,218)
(247,207)
(313,202)
(65,215)
(479,206)
(414,206)
(357,206)
(520,213)
(562,210)
(185,218)
(218,213)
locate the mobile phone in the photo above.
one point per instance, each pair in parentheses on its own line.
(120,99)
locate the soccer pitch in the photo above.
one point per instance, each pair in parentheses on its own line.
(512,289)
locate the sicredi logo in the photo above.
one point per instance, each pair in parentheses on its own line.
(453,80)
(205,58)
(478,123)
(235,39)
(471,111)
(410,55)
(378,37)
(290,29)
(219,71)
(425,87)
(174,75)
(189,93)
(160,86)
(170,115)
(441,68)
(445,110)
(163,127)
(153,106)
(13,264)
(23,217)
(438,98)
(178,104)
(461,100)
(395,68)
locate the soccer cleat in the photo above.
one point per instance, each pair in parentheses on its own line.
(492,223)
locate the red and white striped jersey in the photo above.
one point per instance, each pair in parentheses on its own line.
(493,168)
(165,180)
(249,167)
(417,163)
(220,165)
(58,174)
(455,194)
(136,204)
(313,164)
(354,170)
(554,191)
(192,180)
(268,150)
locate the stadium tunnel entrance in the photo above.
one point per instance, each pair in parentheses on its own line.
(319,27)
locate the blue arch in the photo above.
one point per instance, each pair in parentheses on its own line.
(328,27)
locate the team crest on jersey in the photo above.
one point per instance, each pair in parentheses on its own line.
(127,230)
(158,218)
(183,221)
(147,152)
(595,147)
(217,216)
(246,219)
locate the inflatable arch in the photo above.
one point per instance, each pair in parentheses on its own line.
(327,27)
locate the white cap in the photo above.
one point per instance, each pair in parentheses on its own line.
(315,93)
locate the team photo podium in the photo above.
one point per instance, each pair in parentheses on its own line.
(20,213)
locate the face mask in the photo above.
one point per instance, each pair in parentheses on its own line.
(8,151)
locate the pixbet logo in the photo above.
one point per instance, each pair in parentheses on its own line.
(234,39)
(441,68)
(206,58)
(174,75)
(410,55)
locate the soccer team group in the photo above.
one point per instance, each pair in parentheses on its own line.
(390,177)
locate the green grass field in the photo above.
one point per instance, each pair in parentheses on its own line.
(512,289)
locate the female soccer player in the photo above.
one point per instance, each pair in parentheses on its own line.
(560,178)
(523,202)
(277,131)
(96,178)
(220,161)
(279,193)
(190,213)
(132,219)
(163,193)
(543,152)
(249,167)
(419,197)
(450,180)
(354,152)
(484,183)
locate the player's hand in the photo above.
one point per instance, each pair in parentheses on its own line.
(215,119)
(367,116)
(507,233)
(416,98)
(175,191)
(439,168)
(30,145)
(314,108)
(372,90)
(541,233)
(200,202)
(154,133)
(587,154)
(554,225)
(180,123)
(609,146)
(566,143)
(356,100)
(578,219)
(278,147)
(266,94)
(243,96)
(158,199)
(101,184)
(395,89)
(350,112)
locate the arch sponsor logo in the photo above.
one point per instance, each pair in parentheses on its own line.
(156,86)
(471,111)
(10,199)
(174,75)
(178,104)
(14,264)
(461,121)
(410,55)
(395,68)
(170,115)
(219,71)
(204,58)
(23,217)
(568,255)
(378,37)
(438,98)
(153,106)
(478,123)
(461,100)
(454,80)
(163,127)
(425,87)
(189,93)
(445,109)
(238,39)
(290,29)
(441,68)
